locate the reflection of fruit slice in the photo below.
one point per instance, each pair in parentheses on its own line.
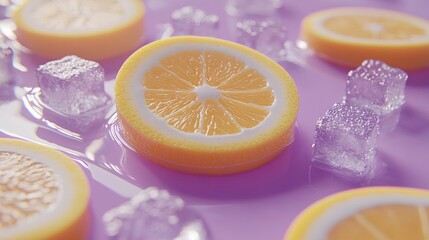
(204,105)
(373,213)
(91,29)
(44,194)
(348,36)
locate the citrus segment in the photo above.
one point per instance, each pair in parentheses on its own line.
(187,66)
(44,194)
(223,108)
(373,213)
(262,96)
(91,29)
(384,222)
(220,67)
(348,36)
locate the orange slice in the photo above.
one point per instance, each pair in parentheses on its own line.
(347,36)
(90,29)
(44,194)
(372,213)
(205,105)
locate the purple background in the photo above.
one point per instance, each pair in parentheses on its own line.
(258,204)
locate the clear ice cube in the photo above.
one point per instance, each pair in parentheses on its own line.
(266,36)
(6,71)
(154,214)
(252,7)
(345,141)
(192,21)
(72,85)
(376,85)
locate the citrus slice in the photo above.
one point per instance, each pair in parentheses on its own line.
(347,36)
(204,105)
(44,194)
(372,213)
(90,29)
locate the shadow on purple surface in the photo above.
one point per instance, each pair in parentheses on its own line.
(284,173)
(412,121)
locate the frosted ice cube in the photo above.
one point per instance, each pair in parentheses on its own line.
(376,85)
(268,37)
(345,141)
(192,21)
(6,71)
(6,66)
(154,214)
(252,7)
(72,85)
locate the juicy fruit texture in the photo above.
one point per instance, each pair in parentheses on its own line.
(368,213)
(390,221)
(44,194)
(91,29)
(205,105)
(34,183)
(206,90)
(348,36)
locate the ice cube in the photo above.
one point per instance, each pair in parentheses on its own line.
(376,85)
(6,66)
(266,36)
(345,141)
(72,85)
(192,21)
(154,214)
(252,7)
(6,71)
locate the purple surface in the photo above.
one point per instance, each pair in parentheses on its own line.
(259,204)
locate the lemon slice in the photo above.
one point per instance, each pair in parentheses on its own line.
(90,29)
(204,105)
(371,213)
(44,194)
(347,36)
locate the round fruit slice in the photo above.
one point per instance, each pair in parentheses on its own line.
(205,105)
(44,194)
(90,29)
(347,36)
(373,213)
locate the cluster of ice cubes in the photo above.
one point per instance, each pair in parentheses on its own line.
(154,214)
(252,7)
(193,21)
(254,25)
(73,88)
(257,25)
(7,81)
(267,37)
(346,135)
(189,20)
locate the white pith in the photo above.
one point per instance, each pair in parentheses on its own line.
(325,222)
(85,18)
(137,95)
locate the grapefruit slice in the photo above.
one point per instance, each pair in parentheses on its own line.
(44,194)
(90,29)
(372,213)
(348,36)
(204,105)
